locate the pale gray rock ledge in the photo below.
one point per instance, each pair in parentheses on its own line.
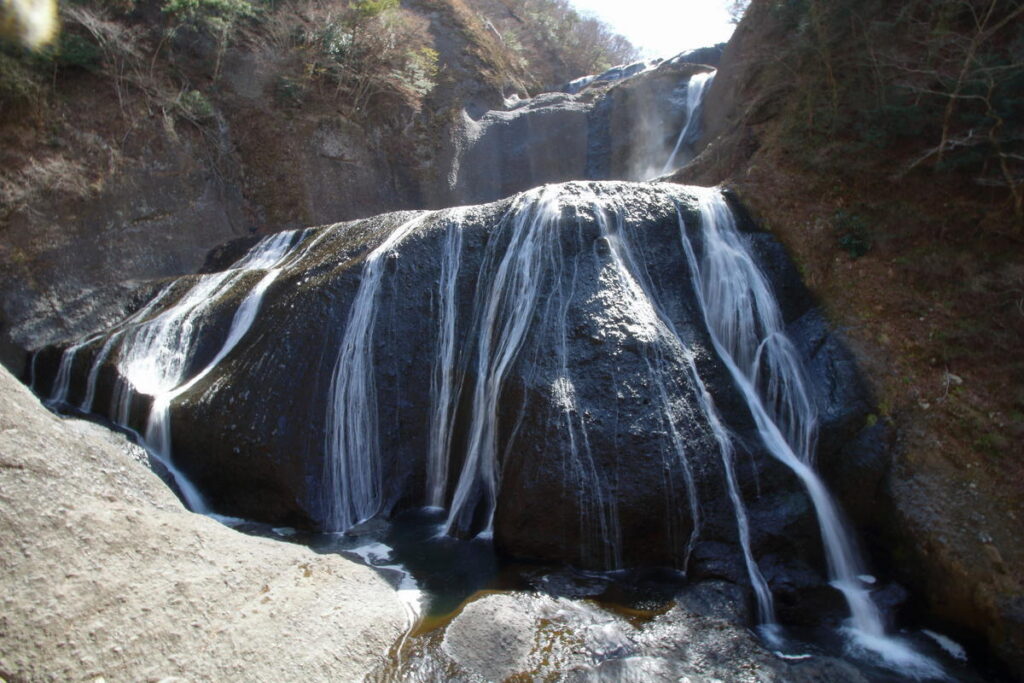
(104,574)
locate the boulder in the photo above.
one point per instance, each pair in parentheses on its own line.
(701,636)
(602,449)
(106,576)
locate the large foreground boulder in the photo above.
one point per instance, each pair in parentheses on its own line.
(105,575)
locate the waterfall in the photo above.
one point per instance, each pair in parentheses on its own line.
(742,316)
(695,91)
(62,383)
(442,381)
(763,594)
(623,256)
(504,319)
(108,346)
(629,272)
(525,291)
(508,306)
(747,331)
(352,475)
(155,360)
(155,355)
(155,351)
(598,519)
(547,300)
(94,371)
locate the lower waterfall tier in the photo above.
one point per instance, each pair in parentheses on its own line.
(540,367)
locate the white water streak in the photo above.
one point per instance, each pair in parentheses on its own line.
(179,328)
(352,473)
(108,346)
(644,305)
(741,314)
(596,504)
(442,381)
(763,594)
(695,91)
(94,371)
(62,383)
(154,353)
(503,323)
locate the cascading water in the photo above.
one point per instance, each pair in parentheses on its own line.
(510,285)
(352,476)
(627,270)
(748,334)
(695,91)
(156,360)
(577,321)
(504,319)
(626,266)
(154,352)
(62,383)
(94,371)
(600,533)
(514,289)
(762,593)
(443,381)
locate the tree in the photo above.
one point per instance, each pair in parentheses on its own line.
(736,9)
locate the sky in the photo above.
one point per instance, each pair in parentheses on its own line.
(663,28)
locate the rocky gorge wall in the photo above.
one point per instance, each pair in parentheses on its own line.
(168,204)
(922,274)
(98,211)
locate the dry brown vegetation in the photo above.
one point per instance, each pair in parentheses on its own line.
(375,63)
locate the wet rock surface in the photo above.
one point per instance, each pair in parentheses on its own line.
(590,466)
(701,636)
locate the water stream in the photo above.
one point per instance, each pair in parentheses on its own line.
(352,476)
(695,92)
(746,328)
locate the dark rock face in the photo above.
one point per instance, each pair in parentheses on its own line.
(604,454)
(73,269)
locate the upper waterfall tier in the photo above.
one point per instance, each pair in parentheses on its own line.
(632,128)
(540,367)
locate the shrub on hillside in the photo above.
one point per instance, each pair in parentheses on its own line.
(554,42)
(375,54)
